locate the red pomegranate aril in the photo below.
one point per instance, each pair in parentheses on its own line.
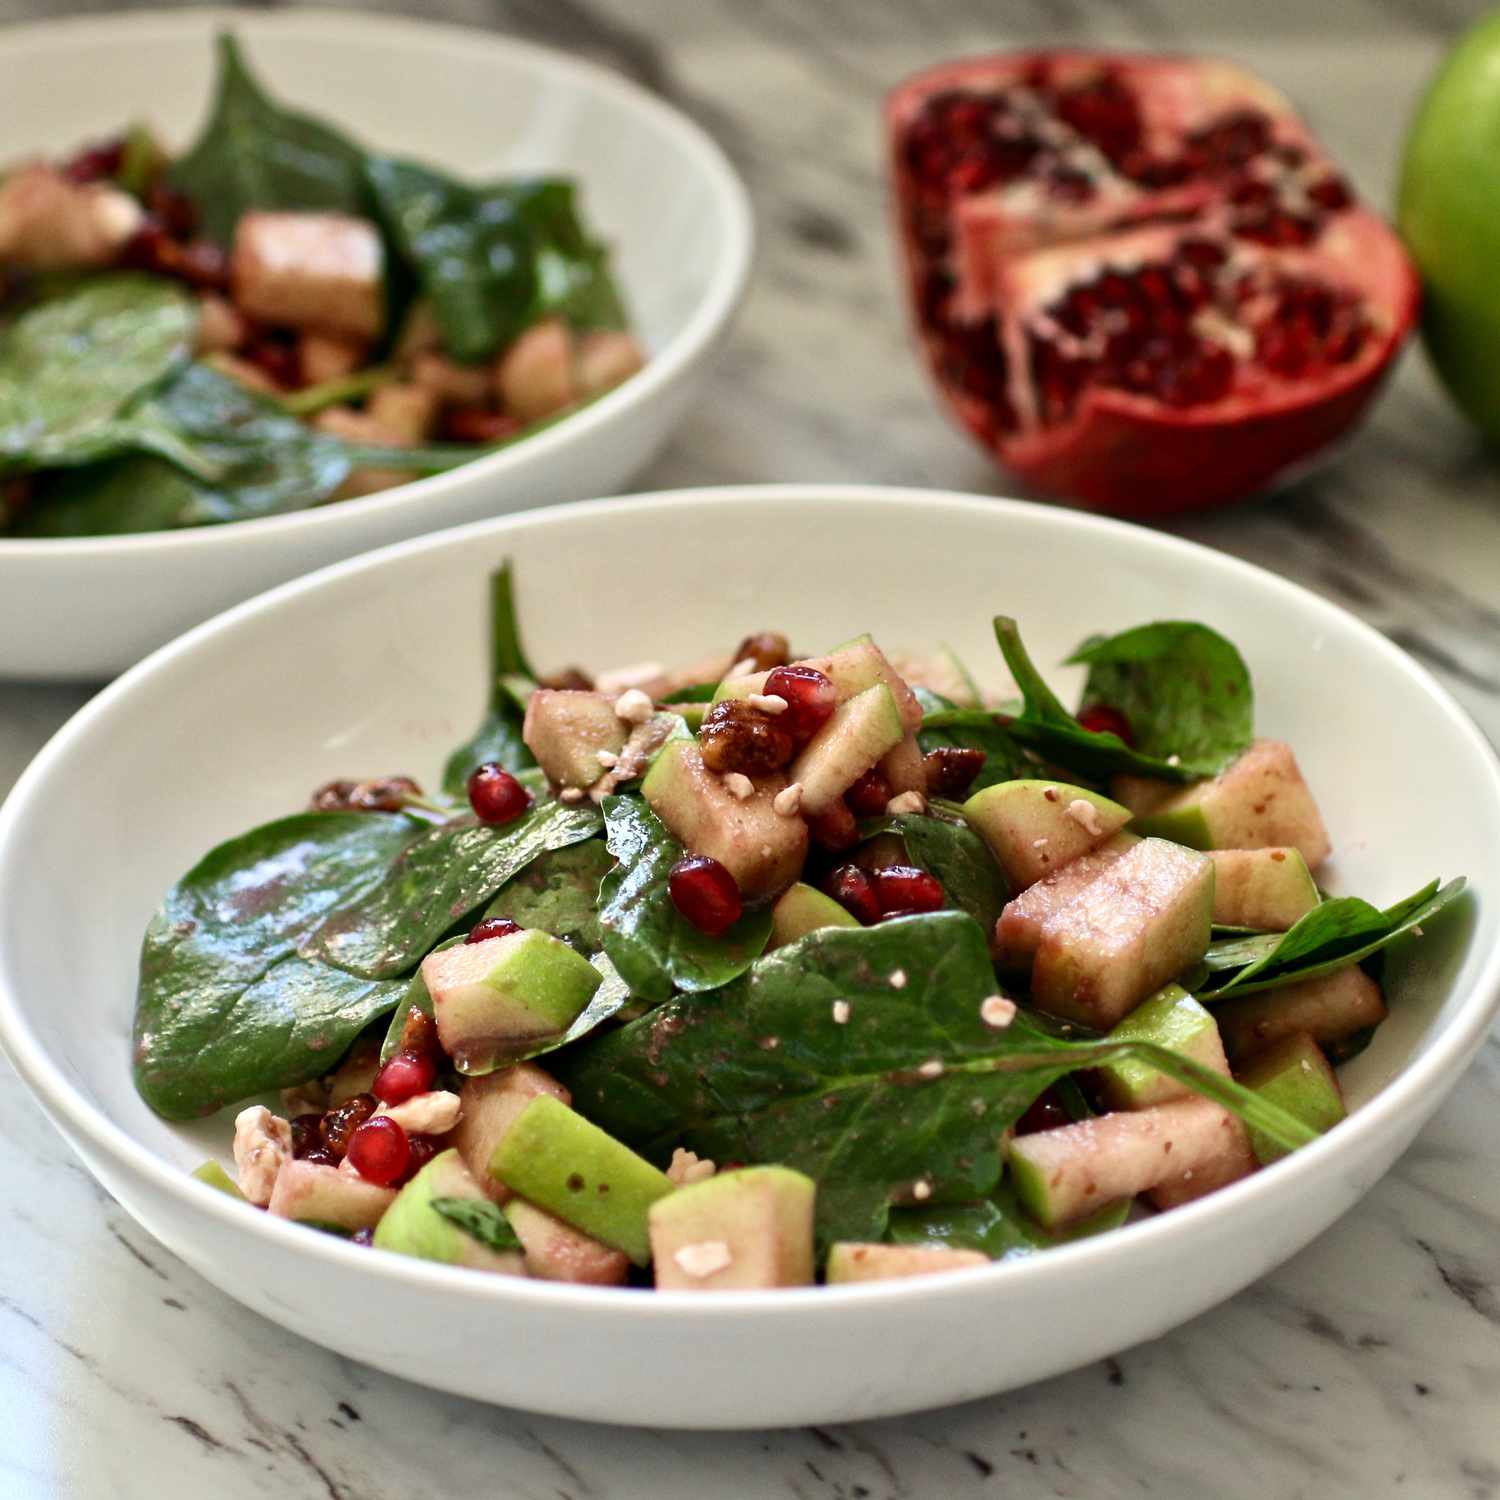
(810,698)
(320,1156)
(496,796)
(402,1076)
(1100,718)
(340,1123)
(306,1134)
(477,424)
(378,1151)
(950,770)
(95,163)
(868,796)
(835,830)
(175,211)
(1046,1113)
(903,889)
(853,889)
(420,1150)
(705,893)
(492,927)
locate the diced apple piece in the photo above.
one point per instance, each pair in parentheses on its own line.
(491,1103)
(412,1226)
(853,668)
(212,1173)
(737,1231)
(494,999)
(1065,1174)
(1268,889)
(449,381)
(605,358)
(221,327)
(1144,921)
(861,731)
(1260,802)
(310,270)
(404,410)
(557,1252)
(903,767)
(1294,1074)
(555,1158)
(762,849)
(849,1261)
(1019,929)
(49,223)
(803,909)
(535,376)
(315,1194)
(1173,1019)
(1034,828)
(566,729)
(322,357)
(1327,1009)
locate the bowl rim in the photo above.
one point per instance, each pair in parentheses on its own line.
(1422,1082)
(707,321)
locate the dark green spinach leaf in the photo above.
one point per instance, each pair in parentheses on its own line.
(952,851)
(655,948)
(253,153)
(481,1219)
(996,1225)
(559,893)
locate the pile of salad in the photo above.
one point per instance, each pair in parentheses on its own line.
(277,318)
(772,969)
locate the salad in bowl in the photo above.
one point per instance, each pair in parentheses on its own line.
(771,968)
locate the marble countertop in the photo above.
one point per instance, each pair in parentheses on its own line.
(1370,1364)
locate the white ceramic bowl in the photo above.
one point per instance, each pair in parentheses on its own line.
(235,722)
(653,184)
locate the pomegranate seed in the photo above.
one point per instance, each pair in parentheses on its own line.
(705,893)
(421,1149)
(378,1150)
(903,889)
(1100,718)
(306,1135)
(869,794)
(406,1073)
(810,698)
(344,1119)
(173,210)
(855,892)
(278,358)
(478,424)
(950,770)
(95,163)
(1046,1113)
(492,927)
(835,829)
(496,796)
(365,1237)
(321,1156)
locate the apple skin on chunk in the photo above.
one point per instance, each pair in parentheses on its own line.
(763,850)
(494,999)
(1143,922)
(738,1231)
(313,1193)
(491,1104)
(556,1251)
(565,730)
(1171,1018)
(1036,827)
(803,909)
(1268,889)
(1260,802)
(1294,1074)
(862,730)
(1019,928)
(853,668)
(1327,1009)
(849,1261)
(412,1226)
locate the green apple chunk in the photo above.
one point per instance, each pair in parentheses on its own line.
(216,1177)
(1327,1009)
(557,1252)
(853,668)
(1036,827)
(314,1194)
(762,849)
(1173,1019)
(861,731)
(1268,889)
(903,767)
(1144,921)
(1260,802)
(556,1159)
(738,1231)
(1294,1074)
(567,729)
(1063,1175)
(851,1261)
(413,1226)
(801,910)
(491,1104)
(495,999)
(1019,929)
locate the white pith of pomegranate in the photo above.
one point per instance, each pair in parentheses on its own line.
(1138,280)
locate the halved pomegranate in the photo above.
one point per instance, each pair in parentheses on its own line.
(1138,280)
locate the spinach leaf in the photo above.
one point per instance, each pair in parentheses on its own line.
(137,492)
(492,259)
(219,977)
(760,1071)
(481,1219)
(1046,726)
(959,858)
(436,880)
(1184,689)
(945,725)
(69,365)
(253,153)
(498,737)
(996,1225)
(655,948)
(559,893)
(1338,932)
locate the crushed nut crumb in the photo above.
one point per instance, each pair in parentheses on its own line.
(703,1258)
(906,802)
(841,1012)
(1174,760)
(637,674)
(1086,815)
(921,1190)
(738,785)
(898,979)
(570,794)
(1039,843)
(262,1146)
(433,1113)
(634,706)
(688,1167)
(768,703)
(766,851)
(607,758)
(787,801)
(932,1068)
(998,1012)
(742,668)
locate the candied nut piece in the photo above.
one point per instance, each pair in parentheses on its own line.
(737,737)
(262,1145)
(763,650)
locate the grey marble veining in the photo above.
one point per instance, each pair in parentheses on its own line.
(1368,1365)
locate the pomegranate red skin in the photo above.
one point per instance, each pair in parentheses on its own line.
(705,893)
(1139,458)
